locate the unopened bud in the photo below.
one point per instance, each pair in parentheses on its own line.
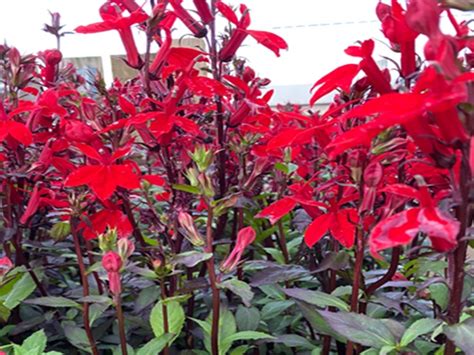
(125,248)
(190,231)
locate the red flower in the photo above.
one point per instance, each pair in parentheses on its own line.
(341,223)
(401,228)
(113,20)
(194,26)
(104,178)
(13,129)
(110,217)
(239,34)
(51,58)
(245,237)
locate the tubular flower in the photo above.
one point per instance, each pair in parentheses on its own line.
(112,263)
(396,29)
(240,33)
(245,237)
(194,26)
(203,10)
(113,20)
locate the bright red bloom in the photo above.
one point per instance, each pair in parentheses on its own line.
(270,40)
(401,228)
(203,10)
(13,129)
(110,217)
(51,58)
(245,237)
(396,29)
(104,177)
(113,20)
(340,222)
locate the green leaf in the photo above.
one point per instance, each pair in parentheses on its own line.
(35,343)
(155,346)
(190,258)
(4,313)
(440,294)
(239,288)
(176,318)
(318,323)
(76,336)
(55,302)
(240,350)
(462,335)
(96,310)
(245,335)
(20,291)
(186,188)
(247,318)
(146,297)
(294,341)
(360,329)
(316,298)
(420,327)
(275,308)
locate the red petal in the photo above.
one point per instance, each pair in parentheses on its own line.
(269,40)
(90,152)
(227,12)
(154,179)
(124,176)
(127,106)
(396,230)
(318,228)
(440,228)
(84,175)
(20,132)
(402,190)
(339,78)
(344,228)
(277,209)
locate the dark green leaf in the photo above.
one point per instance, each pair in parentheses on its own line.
(55,302)
(462,335)
(247,318)
(316,298)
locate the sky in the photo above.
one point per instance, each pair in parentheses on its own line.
(317,32)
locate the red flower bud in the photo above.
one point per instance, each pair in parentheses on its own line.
(112,263)
(5,265)
(194,26)
(245,237)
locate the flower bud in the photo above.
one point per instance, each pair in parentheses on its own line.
(5,266)
(112,263)
(108,240)
(190,231)
(125,248)
(245,237)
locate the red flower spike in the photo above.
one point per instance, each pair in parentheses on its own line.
(423,16)
(245,237)
(51,58)
(113,20)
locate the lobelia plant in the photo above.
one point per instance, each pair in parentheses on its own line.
(179,212)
